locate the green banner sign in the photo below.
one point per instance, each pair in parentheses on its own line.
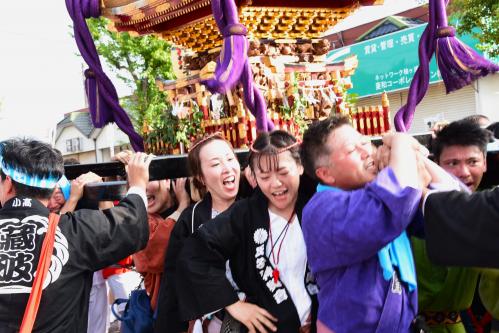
(388,63)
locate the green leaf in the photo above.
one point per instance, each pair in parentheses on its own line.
(480,18)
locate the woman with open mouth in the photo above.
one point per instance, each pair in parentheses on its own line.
(262,238)
(215,173)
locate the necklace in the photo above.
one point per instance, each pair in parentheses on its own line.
(284,232)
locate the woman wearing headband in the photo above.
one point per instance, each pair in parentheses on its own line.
(262,238)
(216,173)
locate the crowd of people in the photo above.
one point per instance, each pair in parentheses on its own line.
(394,238)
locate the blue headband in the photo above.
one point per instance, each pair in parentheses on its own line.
(25,179)
(65,187)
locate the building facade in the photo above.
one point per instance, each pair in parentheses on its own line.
(77,138)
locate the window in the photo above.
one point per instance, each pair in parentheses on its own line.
(73,145)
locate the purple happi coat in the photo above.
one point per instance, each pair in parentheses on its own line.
(343,232)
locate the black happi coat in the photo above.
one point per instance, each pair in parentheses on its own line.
(463,229)
(85,241)
(240,235)
(168,317)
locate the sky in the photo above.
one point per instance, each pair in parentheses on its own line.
(41,75)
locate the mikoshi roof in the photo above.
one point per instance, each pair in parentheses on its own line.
(190,23)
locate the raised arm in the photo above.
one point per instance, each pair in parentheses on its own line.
(404,159)
(112,234)
(77,187)
(184,199)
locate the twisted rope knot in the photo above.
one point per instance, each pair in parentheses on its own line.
(234,29)
(89,73)
(446,32)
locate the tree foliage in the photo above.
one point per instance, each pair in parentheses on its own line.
(138,61)
(480,18)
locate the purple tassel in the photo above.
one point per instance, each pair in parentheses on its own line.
(102,96)
(459,65)
(233,66)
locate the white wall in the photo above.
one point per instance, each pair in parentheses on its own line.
(111,134)
(83,158)
(105,154)
(72,132)
(487,98)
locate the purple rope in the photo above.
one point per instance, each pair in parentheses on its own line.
(233,66)
(459,64)
(102,96)
(420,82)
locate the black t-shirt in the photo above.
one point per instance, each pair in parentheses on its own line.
(86,241)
